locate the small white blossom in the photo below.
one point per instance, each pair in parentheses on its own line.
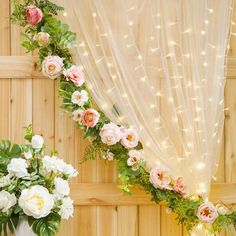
(80,97)
(62,188)
(7,200)
(28,155)
(5,181)
(37,142)
(67,208)
(18,167)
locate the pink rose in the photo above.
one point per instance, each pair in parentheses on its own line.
(134,157)
(52,66)
(110,134)
(160,177)
(130,138)
(207,213)
(180,187)
(34,15)
(42,38)
(75,74)
(90,117)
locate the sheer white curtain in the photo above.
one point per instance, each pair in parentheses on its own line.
(159,66)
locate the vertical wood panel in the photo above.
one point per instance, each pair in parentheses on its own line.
(5,83)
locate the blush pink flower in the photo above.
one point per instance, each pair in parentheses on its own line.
(42,38)
(75,74)
(180,187)
(160,177)
(34,15)
(90,117)
(110,134)
(52,66)
(207,213)
(130,138)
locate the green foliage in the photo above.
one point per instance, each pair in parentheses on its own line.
(7,152)
(28,133)
(47,226)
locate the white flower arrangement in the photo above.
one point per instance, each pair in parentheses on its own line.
(34,186)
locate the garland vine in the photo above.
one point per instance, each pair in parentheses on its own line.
(53,39)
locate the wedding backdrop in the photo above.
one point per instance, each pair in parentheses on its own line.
(124,46)
(163,73)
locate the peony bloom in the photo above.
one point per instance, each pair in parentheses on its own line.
(180,187)
(90,117)
(62,188)
(42,38)
(34,15)
(79,97)
(67,208)
(52,66)
(110,134)
(207,213)
(18,167)
(75,74)
(37,142)
(160,177)
(5,181)
(130,138)
(7,200)
(134,157)
(36,201)
(77,114)
(222,210)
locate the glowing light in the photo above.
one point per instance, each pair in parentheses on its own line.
(203,53)
(94,14)
(131,23)
(200,166)
(65,14)
(205,64)
(211,10)
(158,26)
(203,32)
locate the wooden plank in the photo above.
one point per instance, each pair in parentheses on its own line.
(230,131)
(169,226)
(105,194)
(25,67)
(5,83)
(149,221)
(127,221)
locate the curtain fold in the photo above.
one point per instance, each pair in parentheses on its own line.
(159,66)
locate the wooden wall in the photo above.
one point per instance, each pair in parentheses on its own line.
(101,210)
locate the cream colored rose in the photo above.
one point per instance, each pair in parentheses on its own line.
(7,201)
(52,66)
(36,201)
(37,142)
(42,38)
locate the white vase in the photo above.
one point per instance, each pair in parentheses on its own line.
(23,229)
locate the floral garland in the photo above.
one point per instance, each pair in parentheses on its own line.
(33,187)
(53,39)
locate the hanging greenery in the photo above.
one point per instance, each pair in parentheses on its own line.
(53,39)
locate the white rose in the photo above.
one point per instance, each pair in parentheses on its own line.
(61,187)
(5,181)
(7,200)
(67,208)
(69,170)
(79,97)
(130,138)
(77,115)
(28,155)
(52,164)
(18,167)
(110,134)
(37,142)
(52,66)
(36,201)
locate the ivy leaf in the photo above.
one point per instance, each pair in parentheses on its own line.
(47,226)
